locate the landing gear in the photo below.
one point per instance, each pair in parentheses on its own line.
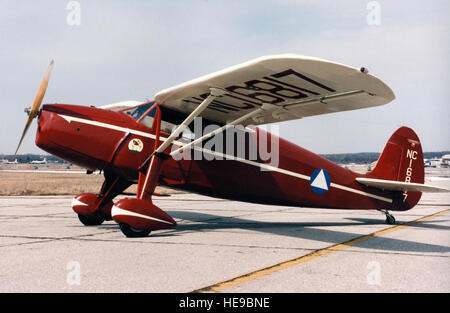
(94,209)
(390,219)
(138,216)
(131,232)
(91,220)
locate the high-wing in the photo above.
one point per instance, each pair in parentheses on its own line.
(294,87)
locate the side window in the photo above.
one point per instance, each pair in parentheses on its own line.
(171,119)
(167,126)
(170,127)
(148,119)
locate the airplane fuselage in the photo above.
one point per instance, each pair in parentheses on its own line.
(100,139)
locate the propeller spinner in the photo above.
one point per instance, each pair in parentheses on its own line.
(33,111)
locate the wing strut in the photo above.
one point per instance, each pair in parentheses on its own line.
(147,184)
(214,92)
(342,95)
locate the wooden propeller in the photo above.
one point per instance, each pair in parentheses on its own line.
(33,111)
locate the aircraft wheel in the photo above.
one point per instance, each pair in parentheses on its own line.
(91,220)
(131,232)
(390,220)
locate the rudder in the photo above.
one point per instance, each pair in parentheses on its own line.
(402,160)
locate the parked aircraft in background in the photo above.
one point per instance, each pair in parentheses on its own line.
(5,161)
(44,161)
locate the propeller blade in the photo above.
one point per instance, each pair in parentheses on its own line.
(36,103)
(41,92)
(27,125)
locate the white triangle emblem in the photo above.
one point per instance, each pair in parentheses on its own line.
(320,181)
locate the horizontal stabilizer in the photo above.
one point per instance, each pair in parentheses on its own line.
(398,185)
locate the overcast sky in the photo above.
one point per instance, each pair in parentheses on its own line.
(129,50)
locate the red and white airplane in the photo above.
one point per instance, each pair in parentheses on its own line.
(144,144)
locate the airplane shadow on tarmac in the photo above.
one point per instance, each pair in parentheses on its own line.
(317,231)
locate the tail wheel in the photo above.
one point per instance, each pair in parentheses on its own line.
(91,220)
(131,232)
(390,220)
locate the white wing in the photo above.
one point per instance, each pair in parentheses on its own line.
(295,86)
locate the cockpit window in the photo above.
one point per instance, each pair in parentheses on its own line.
(147,120)
(138,111)
(170,119)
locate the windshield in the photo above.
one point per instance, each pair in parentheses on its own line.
(169,118)
(138,111)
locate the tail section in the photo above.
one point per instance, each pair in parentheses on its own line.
(402,158)
(401,161)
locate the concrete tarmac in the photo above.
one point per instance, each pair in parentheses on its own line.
(227,246)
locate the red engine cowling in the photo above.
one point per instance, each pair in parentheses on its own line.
(141,214)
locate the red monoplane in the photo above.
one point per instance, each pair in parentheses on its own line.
(224,154)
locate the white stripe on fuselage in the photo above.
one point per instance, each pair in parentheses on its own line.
(105,125)
(226,156)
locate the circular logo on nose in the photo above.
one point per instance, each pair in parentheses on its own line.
(135,145)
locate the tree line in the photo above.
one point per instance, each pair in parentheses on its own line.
(340,158)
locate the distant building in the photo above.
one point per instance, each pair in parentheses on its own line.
(435,162)
(445,160)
